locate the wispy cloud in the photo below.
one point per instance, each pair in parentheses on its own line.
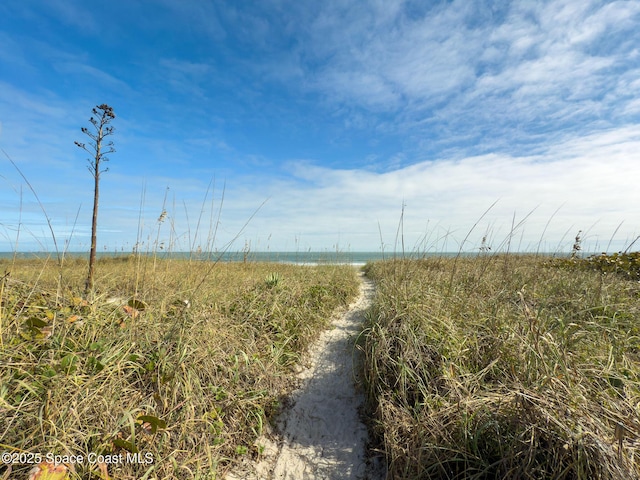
(529,67)
(93,75)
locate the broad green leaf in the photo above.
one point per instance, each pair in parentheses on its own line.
(118,442)
(137,304)
(35,322)
(153,421)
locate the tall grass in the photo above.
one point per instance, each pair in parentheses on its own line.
(504,366)
(184,362)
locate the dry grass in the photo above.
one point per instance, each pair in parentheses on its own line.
(504,367)
(181,361)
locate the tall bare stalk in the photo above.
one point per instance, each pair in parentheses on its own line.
(98,150)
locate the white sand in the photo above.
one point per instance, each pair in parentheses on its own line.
(321,435)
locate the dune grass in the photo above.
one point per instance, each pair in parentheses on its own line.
(505,366)
(183,362)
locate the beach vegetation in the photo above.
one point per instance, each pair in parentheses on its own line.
(177,365)
(505,366)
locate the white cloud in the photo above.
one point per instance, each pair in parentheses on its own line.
(591,181)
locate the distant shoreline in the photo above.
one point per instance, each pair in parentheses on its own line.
(302,258)
(298,258)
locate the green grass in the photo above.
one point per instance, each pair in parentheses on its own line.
(505,367)
(183,361)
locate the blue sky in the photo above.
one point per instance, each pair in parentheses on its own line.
(307,125)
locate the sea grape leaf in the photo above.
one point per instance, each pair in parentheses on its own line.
(129,446)
(155,423)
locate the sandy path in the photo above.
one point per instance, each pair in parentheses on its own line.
(321,436)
